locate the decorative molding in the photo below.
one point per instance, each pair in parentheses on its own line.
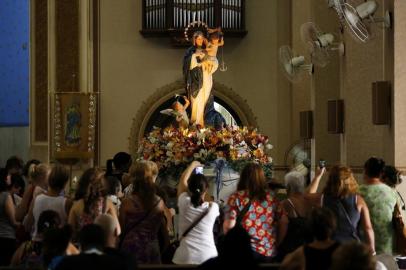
(148,107)
(67,45)
(39,73)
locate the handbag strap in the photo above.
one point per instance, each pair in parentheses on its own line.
(401,198)
(195,222)
(347,216)
(243,212)
(139,221)
(294,208)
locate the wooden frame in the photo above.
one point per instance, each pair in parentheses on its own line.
(74,125)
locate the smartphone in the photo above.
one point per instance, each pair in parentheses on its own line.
(199,170)
(322,163)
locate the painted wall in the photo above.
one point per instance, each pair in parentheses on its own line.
(362,65)
(14,79)
(348,77)
(14,141)
(133,67)
(14,70)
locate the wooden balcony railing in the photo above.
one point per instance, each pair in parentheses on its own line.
(170,17)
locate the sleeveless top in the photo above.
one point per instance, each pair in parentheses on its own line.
(198,246)
(44,202)
(6,228)
(298,233)
(319,259)
(260,221)
(142,237)
(98,209)
(345,231)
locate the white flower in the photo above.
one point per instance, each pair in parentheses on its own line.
(203,152)
(229,141)
(270,160)
(269,146)
(169,145)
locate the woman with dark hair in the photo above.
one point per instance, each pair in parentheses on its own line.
(7,225)
(340,196)
(236,252)
(118,166)
(318,254)
(16,188)
(89,176)
(55,244)
(142,215)
(198,245)
(381,201)
(393,177)
(14,165)
(264,218)
(91,201)
(28,254)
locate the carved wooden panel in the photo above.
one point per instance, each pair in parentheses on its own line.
(67,45)
(40,71)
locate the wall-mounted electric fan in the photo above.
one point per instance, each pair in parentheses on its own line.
(319,44)
(358,17)
(294,66)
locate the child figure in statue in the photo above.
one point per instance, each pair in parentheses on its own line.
(215,40)
(178,111)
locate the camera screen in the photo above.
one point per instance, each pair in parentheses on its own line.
(322,163)
(199,170)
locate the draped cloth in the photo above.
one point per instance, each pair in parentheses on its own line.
(198,75)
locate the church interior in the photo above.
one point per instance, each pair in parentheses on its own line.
(304,86)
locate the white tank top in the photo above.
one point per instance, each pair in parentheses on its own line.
(198,246)
(44,202)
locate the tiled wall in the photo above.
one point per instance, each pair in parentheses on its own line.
(14,68)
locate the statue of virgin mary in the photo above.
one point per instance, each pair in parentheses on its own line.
(198,75)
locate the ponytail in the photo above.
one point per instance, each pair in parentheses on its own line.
(195,198)
(197,186)
(37,172)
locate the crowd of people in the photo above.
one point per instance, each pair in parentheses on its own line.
(120,218)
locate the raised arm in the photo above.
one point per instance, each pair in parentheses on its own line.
(366,223)
(112,210)
(316,181)
(187,102)
(23,207)
(10,211)
(182,186)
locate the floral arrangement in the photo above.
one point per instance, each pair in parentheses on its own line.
(174,148)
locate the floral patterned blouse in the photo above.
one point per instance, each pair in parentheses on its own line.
(381,201)
(259,221)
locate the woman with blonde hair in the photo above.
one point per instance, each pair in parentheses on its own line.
(142,215)
(340,196)
(38,184)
